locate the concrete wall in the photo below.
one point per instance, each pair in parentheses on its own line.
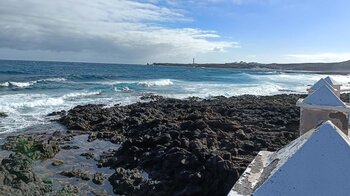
(310,118)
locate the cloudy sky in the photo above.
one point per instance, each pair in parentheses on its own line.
(141,31)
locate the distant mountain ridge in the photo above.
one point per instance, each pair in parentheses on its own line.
(336,67)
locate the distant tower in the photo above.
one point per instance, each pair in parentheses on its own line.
(193,61)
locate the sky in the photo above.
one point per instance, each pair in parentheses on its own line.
(147,31)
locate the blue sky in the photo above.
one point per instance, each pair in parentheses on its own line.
(128,31)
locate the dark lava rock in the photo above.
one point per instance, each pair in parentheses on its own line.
(69,147)
(99,178)
(17,177)
(76,173)
(130,182)
(68,190)
(88,155)
(57,162)
(59,113)
(188,147)
(3,115)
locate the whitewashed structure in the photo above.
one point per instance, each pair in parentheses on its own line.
(322,105)
(334,86)
(315,164)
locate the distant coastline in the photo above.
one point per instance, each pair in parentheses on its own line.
(322,68)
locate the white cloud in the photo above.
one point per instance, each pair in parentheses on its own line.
(318,57)
(127,30)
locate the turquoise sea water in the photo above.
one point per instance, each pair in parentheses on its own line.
(30,90)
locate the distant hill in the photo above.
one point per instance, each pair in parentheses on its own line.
(337,67)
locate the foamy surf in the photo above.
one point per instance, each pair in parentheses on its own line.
(160,82)
(28,97)
(25,110)
(18,84)
(12,84)
(53,80)
(82,94)
(143,83)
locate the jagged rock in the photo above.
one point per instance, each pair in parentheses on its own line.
(99,178)
(69,147)
(3,115)
(126,181)
(76,173)
(17,177)
(88,155)
(188,147)
(68,190)
(57,162)
(59,113)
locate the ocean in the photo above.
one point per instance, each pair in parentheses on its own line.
(29,90)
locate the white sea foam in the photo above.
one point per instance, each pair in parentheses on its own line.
(4,84)
(126,89)
(81,94)
(160,82)
(25,110)
(29,83)
(145,83)
(53,80)
(22,84)
(207,90)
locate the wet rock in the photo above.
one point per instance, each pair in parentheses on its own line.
(128,182)
(76,173)
(57,163)
(88,155)
(59,113)
(99,178)
(69,147)
(68,190)
(188,147)
(3,115)
(240,134)
(17,177)
(36,147)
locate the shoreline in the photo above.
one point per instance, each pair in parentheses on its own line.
(202,145)
(164,146)
(265,67)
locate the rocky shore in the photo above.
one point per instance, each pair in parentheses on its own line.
(167,146)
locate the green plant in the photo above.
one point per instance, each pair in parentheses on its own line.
(67,190)
(27,148)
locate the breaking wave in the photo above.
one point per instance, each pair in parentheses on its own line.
(18,84)
(12,102)
(53,80)
(160,82)
(83,94)
(144,83)
(12,84)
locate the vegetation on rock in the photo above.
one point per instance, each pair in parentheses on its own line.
(35,148)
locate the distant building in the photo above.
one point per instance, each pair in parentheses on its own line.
(322,105)
(317,163)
